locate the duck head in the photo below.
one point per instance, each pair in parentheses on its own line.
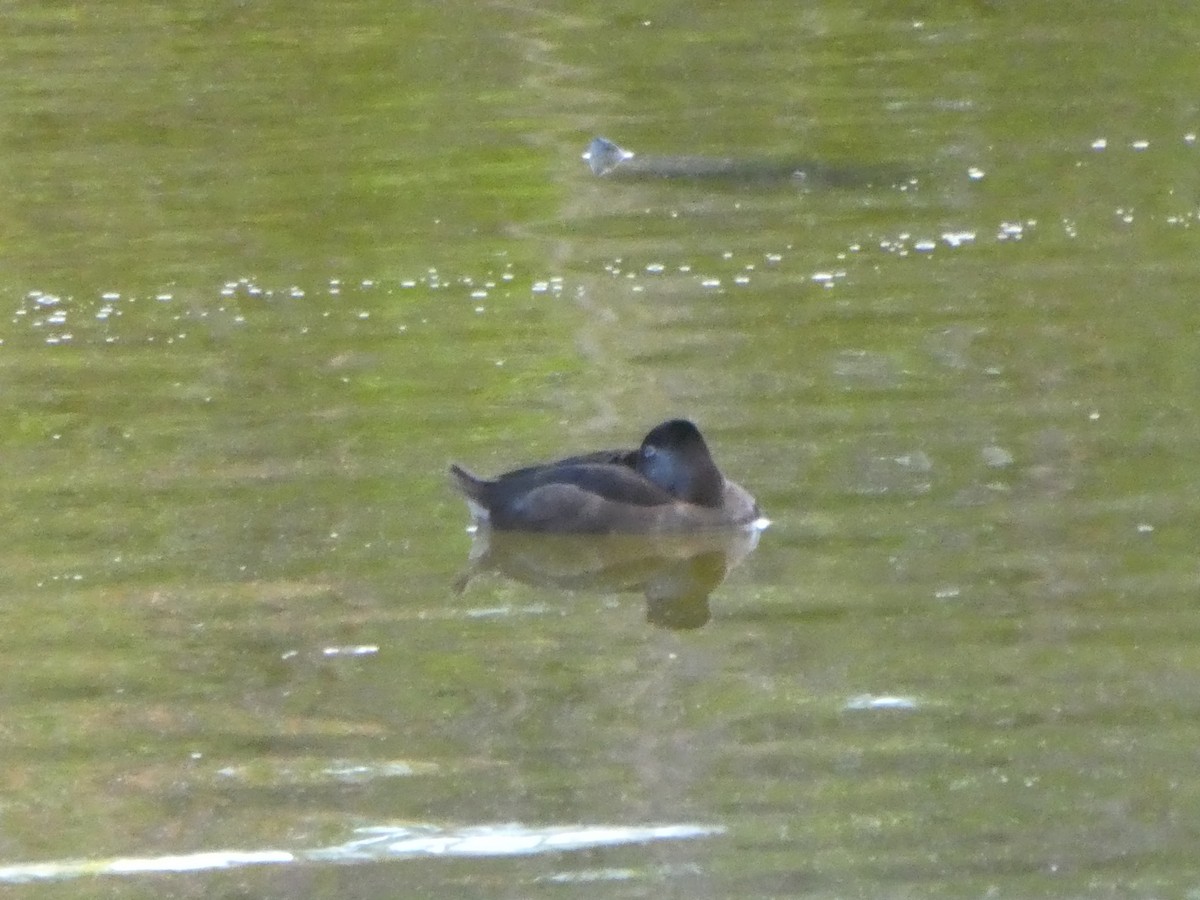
(674,456)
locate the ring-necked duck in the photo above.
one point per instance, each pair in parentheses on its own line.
(669,484)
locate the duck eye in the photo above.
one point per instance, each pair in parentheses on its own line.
(648,452)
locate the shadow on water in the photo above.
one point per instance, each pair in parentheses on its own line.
(675,573)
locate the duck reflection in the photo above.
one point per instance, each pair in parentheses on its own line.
(676,573)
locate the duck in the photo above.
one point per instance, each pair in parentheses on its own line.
(669,484)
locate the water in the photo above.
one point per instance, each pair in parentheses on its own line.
(266,273)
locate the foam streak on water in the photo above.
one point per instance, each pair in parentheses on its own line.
(374,844)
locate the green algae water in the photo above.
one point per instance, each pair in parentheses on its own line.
(266,271)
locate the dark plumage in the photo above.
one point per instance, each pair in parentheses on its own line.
(669,484)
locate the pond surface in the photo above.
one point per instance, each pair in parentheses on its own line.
(267,269)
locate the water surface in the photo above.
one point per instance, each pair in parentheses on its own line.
(267,271)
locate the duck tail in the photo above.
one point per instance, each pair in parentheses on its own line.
(469,484)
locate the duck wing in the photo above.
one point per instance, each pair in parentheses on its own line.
(584,471)
(568,497)
(625,458)
(608,481)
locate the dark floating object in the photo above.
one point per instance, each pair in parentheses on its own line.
(607,160)
(670,484)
